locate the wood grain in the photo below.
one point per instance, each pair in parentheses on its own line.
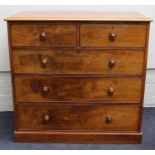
(61,61)
(78,16)
(78,77)
(78,137)
(84,89)
(56,35)
(128,35)
(77,117)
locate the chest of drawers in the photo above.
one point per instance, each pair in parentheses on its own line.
(78,77)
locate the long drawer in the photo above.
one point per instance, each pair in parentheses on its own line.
(43,34)
(112,35)
(79,117)
(78,62)
(84,89)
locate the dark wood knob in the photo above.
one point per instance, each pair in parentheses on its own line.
(110,91)
(108,119)
(45,90)
(46,118)
(112,63)
(112,36)
(43,36)
(44,62)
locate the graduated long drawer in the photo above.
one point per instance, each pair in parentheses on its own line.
(89,89)
(61,61)
(78,117)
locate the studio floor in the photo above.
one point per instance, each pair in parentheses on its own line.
(7,143)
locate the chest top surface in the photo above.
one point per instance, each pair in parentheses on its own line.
(78,16)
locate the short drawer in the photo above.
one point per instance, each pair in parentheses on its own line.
(77,117)
(82,89)
(82,62)
(43,35)
(113,35)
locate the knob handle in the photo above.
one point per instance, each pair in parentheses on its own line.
(44,62)
(46,118)
(108,119)
(112,63)
(110,91)
(45,90)
(112,36)
(43,36)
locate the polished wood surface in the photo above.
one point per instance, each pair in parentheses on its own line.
(130,35)
(77,117)
(78,137)
(43,35)
(63,61)
(78,16)
(78,77)
(86,89)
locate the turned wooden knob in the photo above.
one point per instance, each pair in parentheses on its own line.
(110,91)
(112,36)
(108,119)
(43,36)
(45,90)
(44,62)
(46,118)
(112,63)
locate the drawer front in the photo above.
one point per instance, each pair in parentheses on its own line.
(43,35)
(113,35)
(79,117)
(91,89)
(82,62)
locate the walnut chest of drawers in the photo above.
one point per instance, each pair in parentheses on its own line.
(78,77)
